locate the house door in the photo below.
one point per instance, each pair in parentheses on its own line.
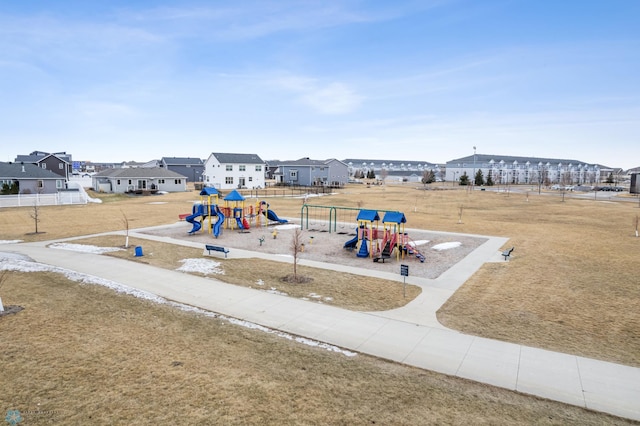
(142,184)
(241,182)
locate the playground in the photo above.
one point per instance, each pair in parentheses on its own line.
(374,240)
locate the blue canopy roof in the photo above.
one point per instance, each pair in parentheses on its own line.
(234,196)
(369,215)
(209,190)
(394,217)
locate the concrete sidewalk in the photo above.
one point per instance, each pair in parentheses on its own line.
(407,335)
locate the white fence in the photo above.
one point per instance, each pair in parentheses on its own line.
(57,199)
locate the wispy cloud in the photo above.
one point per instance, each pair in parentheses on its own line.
(251,20)
(323,97)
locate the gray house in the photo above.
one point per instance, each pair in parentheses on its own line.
(634,186)
(191,168)
(139,180)
(59,163)
(28,178)
(308,172)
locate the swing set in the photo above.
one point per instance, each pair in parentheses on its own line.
(312,215)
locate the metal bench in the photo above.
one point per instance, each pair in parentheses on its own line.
(211,248)
(507,253)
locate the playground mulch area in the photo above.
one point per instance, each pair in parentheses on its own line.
(441,250)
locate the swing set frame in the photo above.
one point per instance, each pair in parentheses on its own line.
(332,214)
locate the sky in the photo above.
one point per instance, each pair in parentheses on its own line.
(424,80)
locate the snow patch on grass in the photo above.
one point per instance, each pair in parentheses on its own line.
(203,266)
(84,248)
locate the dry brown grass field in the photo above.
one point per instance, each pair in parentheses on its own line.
(84,351)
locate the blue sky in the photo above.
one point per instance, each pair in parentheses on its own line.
(425,80)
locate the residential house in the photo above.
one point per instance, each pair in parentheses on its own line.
(59,163)
(29,178)
(231,171)
(308,172)
(191,168)
(139,180)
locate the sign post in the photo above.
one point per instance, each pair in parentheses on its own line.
(404,271)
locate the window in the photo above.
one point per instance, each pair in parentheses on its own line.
(40,184)
(59,184)
(178,181)
(228,180)
(61,166)
(229,167)
(293,174)
(250,178)
(118,182)
(242,168)
(44,165)
(160,181)
(129,181)
(258,168)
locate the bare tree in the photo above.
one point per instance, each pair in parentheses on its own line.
(125,222)
(460,208)
(636,223)
(35,214)
(383,174)
(296,247)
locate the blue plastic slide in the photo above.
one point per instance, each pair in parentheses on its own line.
(193,219)
(271,215)
(197,211)
(218,224)
(352,243)
(239,222)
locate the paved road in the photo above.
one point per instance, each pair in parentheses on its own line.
(409,335)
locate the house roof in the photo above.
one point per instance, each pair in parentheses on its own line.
(37,157)
(305,161)
(230,158)
(356,162)
(139,172)
(31,171)
(509,159)
(181,161)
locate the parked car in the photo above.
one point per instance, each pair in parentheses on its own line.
(556,187)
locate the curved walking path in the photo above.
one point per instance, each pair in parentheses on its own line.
(410,335)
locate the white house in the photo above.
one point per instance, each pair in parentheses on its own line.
(233,171)
(139,179)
